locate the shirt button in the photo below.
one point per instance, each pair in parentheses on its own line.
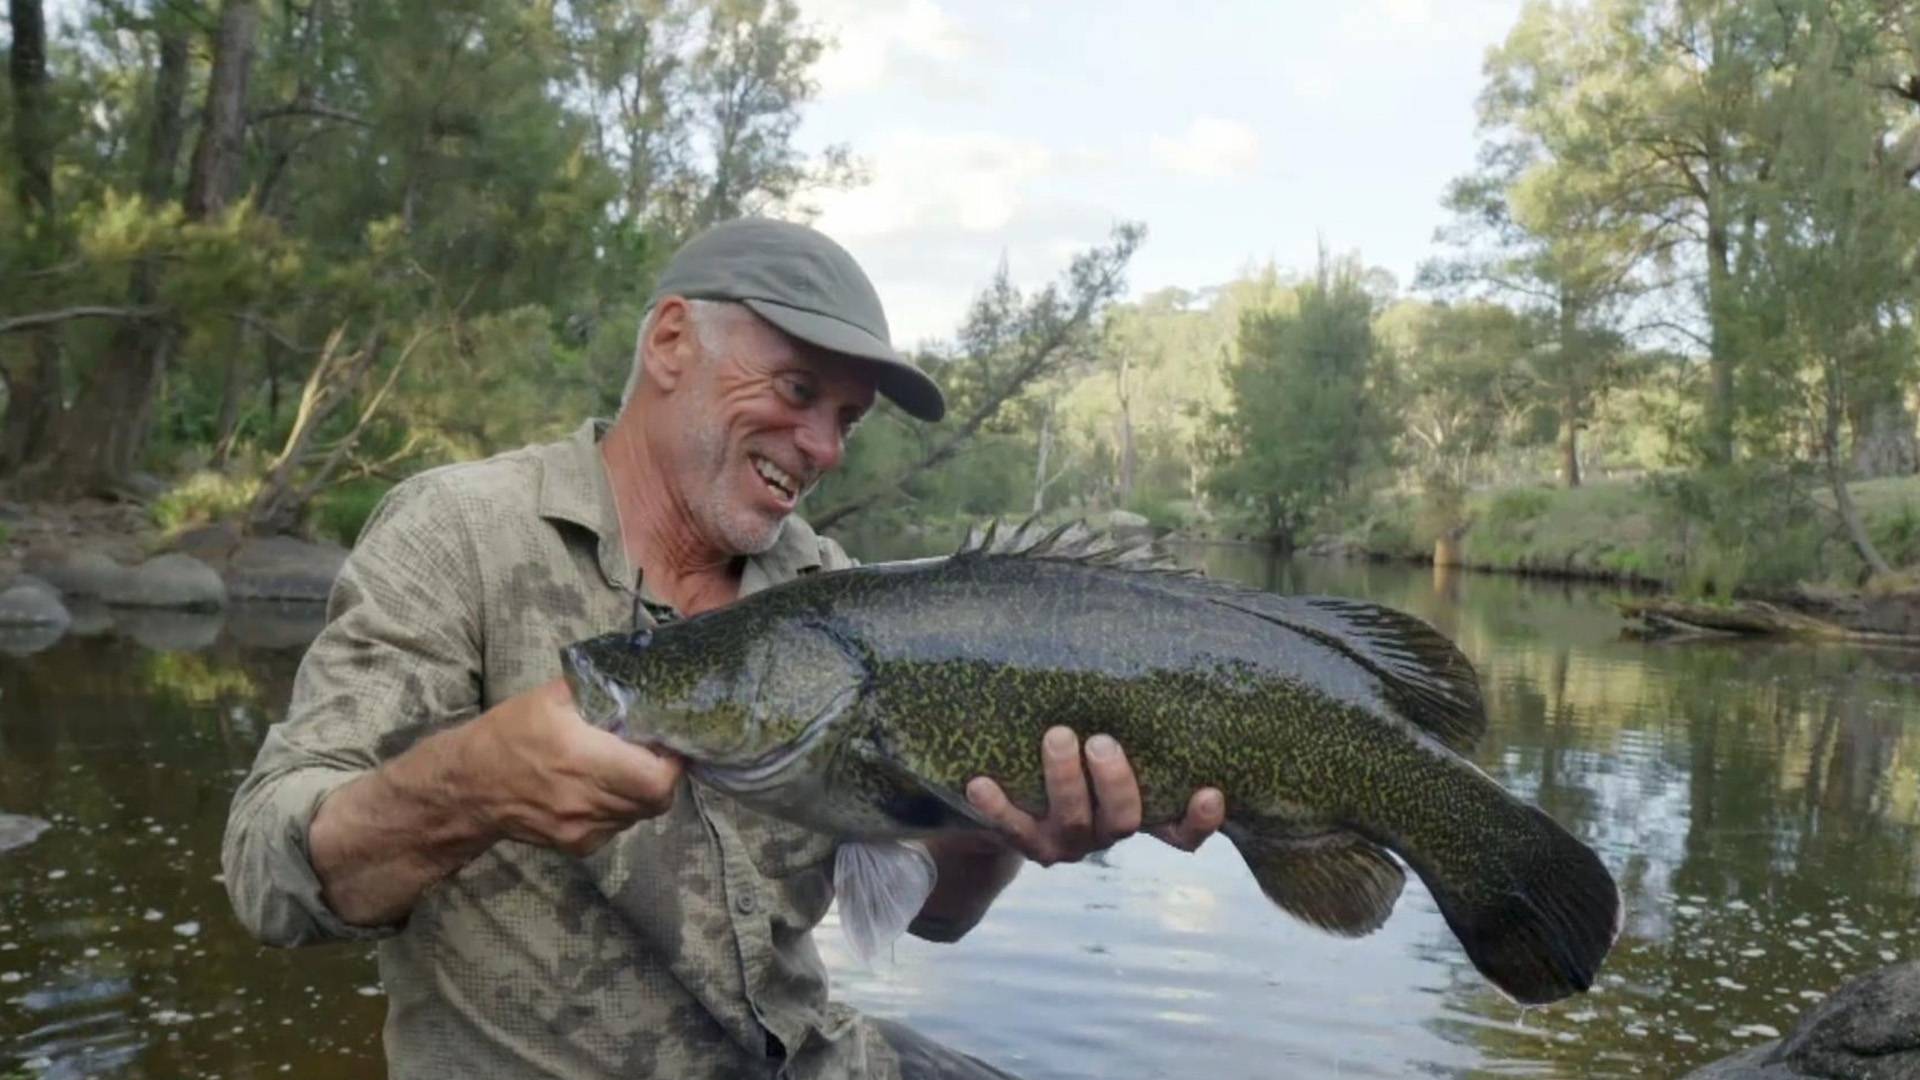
(744,903)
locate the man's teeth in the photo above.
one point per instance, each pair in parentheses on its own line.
(774,475)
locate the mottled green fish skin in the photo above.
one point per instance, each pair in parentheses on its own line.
(916,677)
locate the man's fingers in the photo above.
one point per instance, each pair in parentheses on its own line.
(1116,792)
(1206,812)
(1018,825)
(1069,805)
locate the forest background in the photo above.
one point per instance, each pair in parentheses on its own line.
(259,261)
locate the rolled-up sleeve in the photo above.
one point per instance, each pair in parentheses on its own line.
(400,657)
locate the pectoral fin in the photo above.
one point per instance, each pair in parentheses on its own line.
(880,885)
(1335,879)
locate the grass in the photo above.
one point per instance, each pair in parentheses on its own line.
(1711,539)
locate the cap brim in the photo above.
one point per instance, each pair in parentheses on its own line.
(905,385)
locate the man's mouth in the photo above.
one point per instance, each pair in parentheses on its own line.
(782,482)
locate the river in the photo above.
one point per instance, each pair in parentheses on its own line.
(1760,805)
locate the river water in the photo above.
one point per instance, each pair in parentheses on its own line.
(1760,805)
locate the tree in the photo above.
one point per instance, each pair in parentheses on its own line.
(1303,417)
(1640,113)
(1009,344)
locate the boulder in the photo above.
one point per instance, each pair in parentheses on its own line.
(169,581)
(19,830)
(28,601)
(84,572)
(1868,1030)
(1119,520)
(283,568)
(27,640)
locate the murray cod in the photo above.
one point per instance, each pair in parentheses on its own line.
(860,702)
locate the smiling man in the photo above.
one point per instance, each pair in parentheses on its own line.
(551,899)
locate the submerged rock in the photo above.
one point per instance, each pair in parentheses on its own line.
(169,581)
(1868,1030)
(28,601)
(283,568)
(19,830)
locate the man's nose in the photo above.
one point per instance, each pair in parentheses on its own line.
(820,440)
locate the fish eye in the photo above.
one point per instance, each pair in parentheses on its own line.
(640,639)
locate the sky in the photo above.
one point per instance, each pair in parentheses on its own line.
(1237,132)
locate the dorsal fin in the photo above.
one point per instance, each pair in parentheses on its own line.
(1075,541)
(1420,669)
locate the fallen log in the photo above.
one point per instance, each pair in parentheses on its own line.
(1665,616)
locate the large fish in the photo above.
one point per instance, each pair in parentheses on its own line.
(860,702)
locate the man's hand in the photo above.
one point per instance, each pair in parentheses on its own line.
(528,769)
(1090,806)
(545,776)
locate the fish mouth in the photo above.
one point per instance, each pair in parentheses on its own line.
(601,701)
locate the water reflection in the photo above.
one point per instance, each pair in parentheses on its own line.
(1760,806)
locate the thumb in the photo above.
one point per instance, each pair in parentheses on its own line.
(630,771)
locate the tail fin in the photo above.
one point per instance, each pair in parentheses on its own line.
(1540,918)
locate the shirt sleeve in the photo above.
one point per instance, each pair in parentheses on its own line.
(400,657)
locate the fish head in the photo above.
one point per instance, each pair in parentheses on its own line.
(727,693)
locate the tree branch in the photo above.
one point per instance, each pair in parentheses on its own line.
(83,311)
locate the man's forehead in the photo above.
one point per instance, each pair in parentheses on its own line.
(859,378)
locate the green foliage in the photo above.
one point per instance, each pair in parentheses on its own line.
(340,514)
(1517,508)
(202,497)
(1303,418)
(1747,526)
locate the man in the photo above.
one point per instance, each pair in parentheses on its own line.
(550,899)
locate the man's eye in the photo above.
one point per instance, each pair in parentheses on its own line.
(798,391)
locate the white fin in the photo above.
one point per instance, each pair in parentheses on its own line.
(881,886)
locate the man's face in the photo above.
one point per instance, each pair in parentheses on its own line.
(763,419)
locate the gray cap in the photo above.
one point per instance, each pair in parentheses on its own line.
(806,285)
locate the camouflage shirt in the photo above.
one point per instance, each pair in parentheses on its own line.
(681,949)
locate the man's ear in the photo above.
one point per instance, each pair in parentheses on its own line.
(671,345)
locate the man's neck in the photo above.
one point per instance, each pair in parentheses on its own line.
(682,568)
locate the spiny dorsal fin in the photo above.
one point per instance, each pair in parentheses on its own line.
(1421,671)
(1075,541)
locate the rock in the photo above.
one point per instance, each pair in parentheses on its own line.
(1868,1030)
(19,830)
(169,581)
(283,568)
(1118,520)
(211,544)
(12,513)
(76,573)
(28,601)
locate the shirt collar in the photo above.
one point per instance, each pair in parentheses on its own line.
(574,489)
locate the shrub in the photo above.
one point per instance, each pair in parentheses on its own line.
(202,497)
(339,514)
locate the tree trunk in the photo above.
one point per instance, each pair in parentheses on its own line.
(33,390)
(106,432)
(1569,452)
(1720,360)
(1837,478)
(1040,463)
(32,143)
(33,403)
(1129,457)
(215,179)
(1883,439)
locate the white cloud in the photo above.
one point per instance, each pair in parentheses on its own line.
(970,181)
(1212,148)
(942,210)
(878,41)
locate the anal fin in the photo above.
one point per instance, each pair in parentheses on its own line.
(880,886)
(1334,879)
